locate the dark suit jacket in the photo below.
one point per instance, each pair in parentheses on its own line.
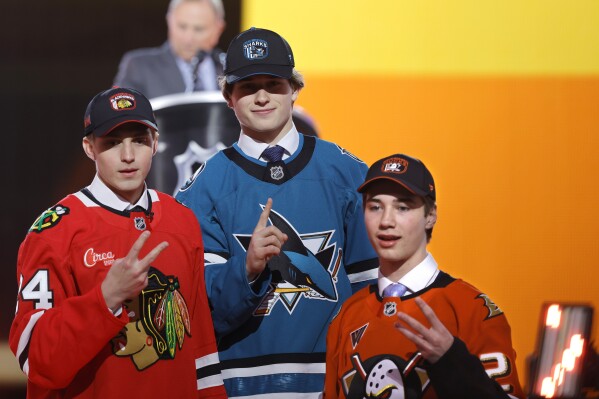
(154,72)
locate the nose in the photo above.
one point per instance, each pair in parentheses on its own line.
(127,153)
(387,218)
(261,97)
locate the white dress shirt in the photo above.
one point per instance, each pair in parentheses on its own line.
(254,148)
(416,279)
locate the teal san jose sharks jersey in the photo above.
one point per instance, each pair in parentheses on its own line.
(272,332)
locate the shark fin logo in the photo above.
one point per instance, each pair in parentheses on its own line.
(491,307)
(306,268)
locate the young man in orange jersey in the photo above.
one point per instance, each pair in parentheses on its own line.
(418,332)
(101,312)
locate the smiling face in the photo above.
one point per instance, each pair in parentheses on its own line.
(123,158)
(263,105)
(396,224)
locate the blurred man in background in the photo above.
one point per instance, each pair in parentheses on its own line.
(188,61)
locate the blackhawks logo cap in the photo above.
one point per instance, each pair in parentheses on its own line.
(114,107)
(410,172)
(258,52)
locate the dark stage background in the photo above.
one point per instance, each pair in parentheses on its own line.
(54,57)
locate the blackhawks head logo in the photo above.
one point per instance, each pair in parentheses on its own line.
(49,218)
(159,321)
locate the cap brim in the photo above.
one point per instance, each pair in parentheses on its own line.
(281,71)
(413,190)
(109,126)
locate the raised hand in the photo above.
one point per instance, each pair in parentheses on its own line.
(432,342)
(129,275)
(265,243)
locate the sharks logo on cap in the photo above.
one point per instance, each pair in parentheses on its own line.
(255,49)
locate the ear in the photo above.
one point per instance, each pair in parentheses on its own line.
(295,95)
(88,148)
(228,100)
(155,144)
(431,218)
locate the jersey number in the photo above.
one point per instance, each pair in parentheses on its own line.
(38,290)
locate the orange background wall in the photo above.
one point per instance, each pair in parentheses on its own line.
(502,104)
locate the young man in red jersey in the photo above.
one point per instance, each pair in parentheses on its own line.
(418,332)
(101,312)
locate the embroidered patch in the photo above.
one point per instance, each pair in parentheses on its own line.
(122,102)
(493,309)
(277,173)
(357,335)
(395,165)
(255,49)
(140,223)
(49,218)
(390,309)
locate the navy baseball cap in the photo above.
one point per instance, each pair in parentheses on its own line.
(114,107)
(410,172)
(258,52)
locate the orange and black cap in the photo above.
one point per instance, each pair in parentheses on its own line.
(410,172)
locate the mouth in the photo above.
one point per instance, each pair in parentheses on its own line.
(128,172)
(263,111)
(387,240)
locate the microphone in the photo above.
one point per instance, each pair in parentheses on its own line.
(197,82)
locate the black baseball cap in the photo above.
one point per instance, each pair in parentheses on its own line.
(258,52)
(114,107)
(405,170)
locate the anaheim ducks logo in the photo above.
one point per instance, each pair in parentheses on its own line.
(395,165)
(49,218)
(490,305)
(122,102)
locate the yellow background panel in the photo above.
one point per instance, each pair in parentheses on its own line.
(435,36)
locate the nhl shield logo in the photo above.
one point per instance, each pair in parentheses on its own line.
(277,173)
(390,309)
(140,223)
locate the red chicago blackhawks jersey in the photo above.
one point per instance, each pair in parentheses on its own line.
(368,358)
(65,338)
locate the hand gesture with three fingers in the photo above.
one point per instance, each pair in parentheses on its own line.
(129,275)
(265,243)
(432,342)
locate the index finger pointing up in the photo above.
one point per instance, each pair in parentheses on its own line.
(264,215)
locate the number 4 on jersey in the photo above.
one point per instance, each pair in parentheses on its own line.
(38,290)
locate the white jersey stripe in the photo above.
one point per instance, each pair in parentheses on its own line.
(26,336)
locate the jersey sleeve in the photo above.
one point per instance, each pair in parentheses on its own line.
(360,259)
(208,371)
(53,335)
(232,297)
(459,374)
(485,331)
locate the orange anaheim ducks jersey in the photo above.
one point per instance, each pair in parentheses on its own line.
(68,342)
(368,358)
